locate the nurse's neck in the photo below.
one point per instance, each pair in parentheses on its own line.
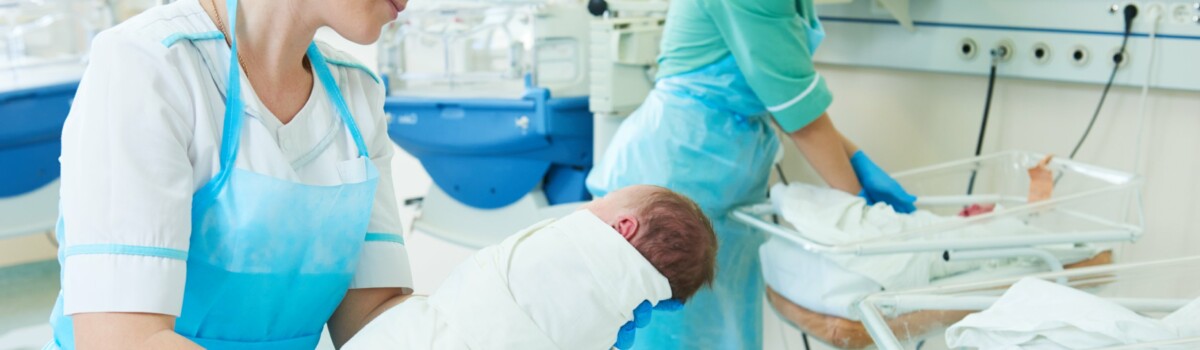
(273,38)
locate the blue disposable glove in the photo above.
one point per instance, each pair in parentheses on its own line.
(626,335)
(878,186)
(641,314)
(641,319)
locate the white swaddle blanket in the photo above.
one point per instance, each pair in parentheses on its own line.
(831,283)
(1036,314)
(564,284)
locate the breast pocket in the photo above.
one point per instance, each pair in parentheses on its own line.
(353,170)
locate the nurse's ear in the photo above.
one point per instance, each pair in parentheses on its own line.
(627,225)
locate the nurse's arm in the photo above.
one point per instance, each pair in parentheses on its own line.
(359,307)
(114,330)
(829,153)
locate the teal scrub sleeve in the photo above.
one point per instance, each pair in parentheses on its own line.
(768,38)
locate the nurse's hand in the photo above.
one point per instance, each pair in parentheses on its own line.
(878,186)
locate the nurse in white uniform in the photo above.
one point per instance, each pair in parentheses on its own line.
(228,192)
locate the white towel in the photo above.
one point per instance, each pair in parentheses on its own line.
(1036,314)
(565,284)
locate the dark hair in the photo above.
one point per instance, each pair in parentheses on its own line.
(678,239)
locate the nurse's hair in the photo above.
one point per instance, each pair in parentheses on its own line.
(678,239)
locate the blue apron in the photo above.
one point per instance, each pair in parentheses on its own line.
(705,135)
(269,260)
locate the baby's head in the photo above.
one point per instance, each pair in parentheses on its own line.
(668,229)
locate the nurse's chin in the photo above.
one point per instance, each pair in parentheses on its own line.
(362,34)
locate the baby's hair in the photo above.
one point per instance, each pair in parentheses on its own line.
(677,238)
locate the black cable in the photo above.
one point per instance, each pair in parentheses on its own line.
(996,53)
(804,336)
(987,108)
(779,170)
(1130,13)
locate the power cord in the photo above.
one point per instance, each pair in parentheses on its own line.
(782,178)
(997,54)
(1130,12)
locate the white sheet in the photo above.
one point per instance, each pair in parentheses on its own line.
(566,284)
(1037,314)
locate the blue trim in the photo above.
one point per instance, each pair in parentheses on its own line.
(354,65)
(122,249)
(174,38)
(1009,28)
(385,237)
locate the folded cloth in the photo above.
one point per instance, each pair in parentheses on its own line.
(565,284)
(1037,314)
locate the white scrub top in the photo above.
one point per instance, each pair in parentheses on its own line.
(144,134)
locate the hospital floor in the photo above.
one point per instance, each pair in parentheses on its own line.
(27,294)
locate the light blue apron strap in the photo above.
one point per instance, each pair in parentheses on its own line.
(321,67)
(353,65)
(234,107)
(174,38)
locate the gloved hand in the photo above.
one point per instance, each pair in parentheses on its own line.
(641,319)
(626,335)
(878,186)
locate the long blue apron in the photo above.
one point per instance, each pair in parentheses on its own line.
(705,135)
(269,259)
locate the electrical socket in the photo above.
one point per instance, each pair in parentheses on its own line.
(1080,55)
(967,49)
(1182,13)
(1154,9)
(1040,53)
(1009,49)
(1124,57)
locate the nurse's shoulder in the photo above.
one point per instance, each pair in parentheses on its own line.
(137,88)
(141,56)
(155,33)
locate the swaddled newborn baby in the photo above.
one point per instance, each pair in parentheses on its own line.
(570,283)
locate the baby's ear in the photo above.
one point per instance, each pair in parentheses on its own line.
(627,225)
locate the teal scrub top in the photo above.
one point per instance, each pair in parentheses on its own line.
(767,38)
